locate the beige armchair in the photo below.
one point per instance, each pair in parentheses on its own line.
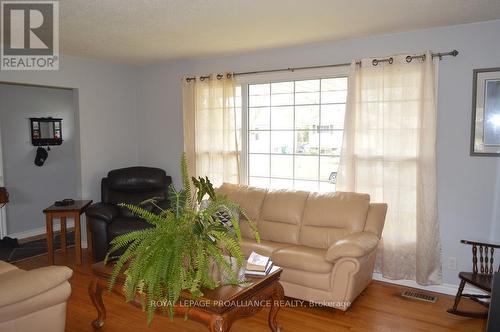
(33,300)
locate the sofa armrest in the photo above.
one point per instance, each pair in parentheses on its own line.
(354,245)
(19,285)
(103,211)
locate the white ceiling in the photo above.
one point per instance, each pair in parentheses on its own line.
(142,32)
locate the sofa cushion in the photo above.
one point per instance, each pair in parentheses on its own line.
(37,309)
(137,179)
(117,197)
(265,248)
(321,237)
(285,206)
(19,285)
(6,267)
(249,199)
(121,226)
(307,278)
(354,245)
(281,215)
(376,218)
(279,232)
(302,258)
(329,217)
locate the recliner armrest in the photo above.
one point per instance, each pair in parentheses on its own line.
(19,285)
(103,211)
(354,245)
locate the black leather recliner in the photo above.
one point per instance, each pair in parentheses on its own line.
(133,185)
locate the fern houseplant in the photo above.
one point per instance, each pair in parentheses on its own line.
(178,253)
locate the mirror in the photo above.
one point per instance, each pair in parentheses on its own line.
(46,131)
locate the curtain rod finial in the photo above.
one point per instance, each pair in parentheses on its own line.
(454,52)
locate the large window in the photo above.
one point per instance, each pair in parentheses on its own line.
(295,133)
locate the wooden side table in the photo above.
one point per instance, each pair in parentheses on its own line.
(62,212)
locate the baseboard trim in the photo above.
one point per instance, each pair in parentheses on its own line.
(42,230)
(449,289)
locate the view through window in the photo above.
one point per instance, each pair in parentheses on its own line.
(295,133)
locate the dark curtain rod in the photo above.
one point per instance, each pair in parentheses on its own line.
(375,62)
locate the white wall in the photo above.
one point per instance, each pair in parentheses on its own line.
(106,104)
(495,222)
(33,188)
(467,185)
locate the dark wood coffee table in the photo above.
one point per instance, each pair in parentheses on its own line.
(217,309)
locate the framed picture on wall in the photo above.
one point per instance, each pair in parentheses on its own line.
(485,133)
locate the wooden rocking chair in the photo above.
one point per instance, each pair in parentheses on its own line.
(479,277)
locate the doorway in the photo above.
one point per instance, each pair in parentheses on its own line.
(3,219)
(35,185)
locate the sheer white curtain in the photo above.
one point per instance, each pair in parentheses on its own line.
(212,127)
(389,151)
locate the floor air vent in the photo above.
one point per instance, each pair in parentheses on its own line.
(415,295)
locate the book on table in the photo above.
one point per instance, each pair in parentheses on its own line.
(270,268)
(258,265)
(256,262)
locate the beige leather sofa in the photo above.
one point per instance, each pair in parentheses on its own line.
(325,243)
(33,300)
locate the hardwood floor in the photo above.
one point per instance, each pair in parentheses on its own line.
(378,308)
